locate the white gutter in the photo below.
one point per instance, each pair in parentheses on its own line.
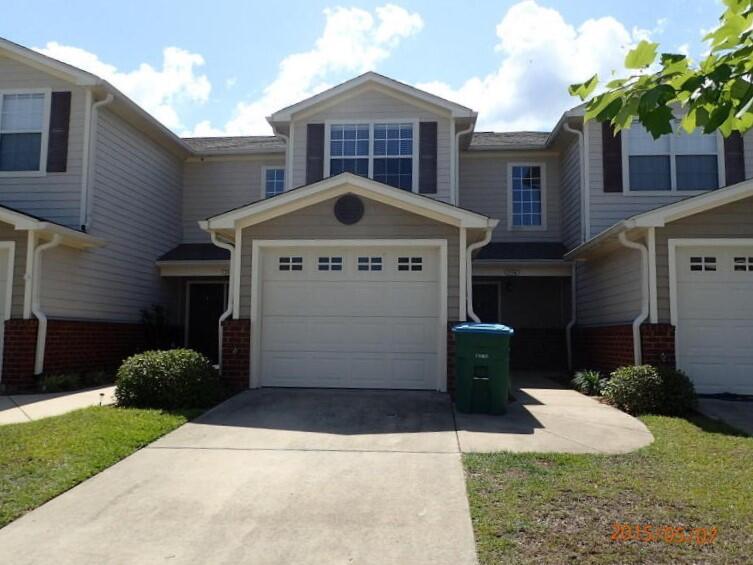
(455,196)
(573,316)
(90,135)
(637,350)
(582,175)
(35,307)
(469,273)
(226,314)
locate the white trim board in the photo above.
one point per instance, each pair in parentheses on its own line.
(258,245)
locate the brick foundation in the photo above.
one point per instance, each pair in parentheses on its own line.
(658,343)
(608,347)
(236,349)
(20,344)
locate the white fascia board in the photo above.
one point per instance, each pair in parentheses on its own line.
(48,64)
(69,237)
(341,184)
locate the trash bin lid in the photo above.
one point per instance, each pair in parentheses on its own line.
(472,328)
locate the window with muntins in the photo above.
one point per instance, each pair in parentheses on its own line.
(744,264)
(21,131)
(393,155)
(330,263)
(369,263)
(274,181)
(410,264)
(673,162)
(291,263)
(349,149)
(703,263)
(526,196)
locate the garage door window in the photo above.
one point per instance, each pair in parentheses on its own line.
(291,263)
(743,264)
(410,264)
(703,263)
(369,263)
(330,263)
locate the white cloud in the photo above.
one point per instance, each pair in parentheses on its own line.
(684,49)
(231,82)
(541,54)
(158,91)
(353,41)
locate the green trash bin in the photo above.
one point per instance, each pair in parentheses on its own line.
(482,365)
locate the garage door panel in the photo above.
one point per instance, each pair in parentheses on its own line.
(715,318)
(351,328)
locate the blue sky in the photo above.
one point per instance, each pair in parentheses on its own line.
(218,68)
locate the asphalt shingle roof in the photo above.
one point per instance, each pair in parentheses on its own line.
(494,140)
(238,144)
(521,251)
(196,252)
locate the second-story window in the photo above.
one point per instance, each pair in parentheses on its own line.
(274,181)
(526,196)
(21,131)
(349,149)
(678,161)
(393,155)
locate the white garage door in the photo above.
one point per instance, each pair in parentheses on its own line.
(715,317)
(355,317)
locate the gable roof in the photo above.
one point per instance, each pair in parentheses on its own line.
(660,217)
(345,183)
(69,236)
(370,77)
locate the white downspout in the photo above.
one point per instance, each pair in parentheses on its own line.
(455,197)
(582,175)
(573,316)
(35,306)
(288,160)
(226,314)
(87,196)
(469,273)
(637,350)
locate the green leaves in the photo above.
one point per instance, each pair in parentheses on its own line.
(642,56)
(715,94)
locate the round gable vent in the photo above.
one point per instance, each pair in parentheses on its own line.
(348,209)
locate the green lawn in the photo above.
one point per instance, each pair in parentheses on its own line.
(41,459)
(535,508)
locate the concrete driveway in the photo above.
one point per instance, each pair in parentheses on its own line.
(272,476)
(308,476)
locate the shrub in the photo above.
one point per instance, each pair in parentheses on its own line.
(61,382)
(678,392)
(588,382)
(176,378)
(635,389)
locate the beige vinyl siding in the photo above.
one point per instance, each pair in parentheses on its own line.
(215,185)
(55,196)
(608,208)
(370,105)
(136,211)
(609,288)
(379,222)
(730,221)
(483,188)
(10,233)
(570,173)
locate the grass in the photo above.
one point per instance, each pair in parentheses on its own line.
(41,459)
(537,508)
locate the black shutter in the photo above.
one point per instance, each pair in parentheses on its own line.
(314,153)
(734,158)
(427,158)
(60,119)
(611,146)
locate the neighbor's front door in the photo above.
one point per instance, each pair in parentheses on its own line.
(206,302)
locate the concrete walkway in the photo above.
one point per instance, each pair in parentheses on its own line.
(19,408)
(277,476)
(735,413)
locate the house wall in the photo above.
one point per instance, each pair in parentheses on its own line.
(609,288)
(570,183)
(54,196)
(483,188)
(732,220)
(136,211)
(609,208)
(214,185)
(9,233)
(379,222)
(373,104)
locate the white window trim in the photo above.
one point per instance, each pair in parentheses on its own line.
(258,246)
(42,171)
(720,167)
(543,225)
(264,170)
(413,121)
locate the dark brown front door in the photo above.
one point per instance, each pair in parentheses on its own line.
(486,301)
(206,302)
